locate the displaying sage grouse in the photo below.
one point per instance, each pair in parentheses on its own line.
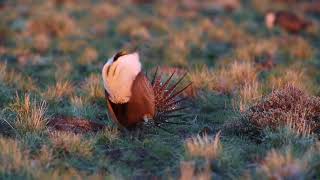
(287,21)
(132,98)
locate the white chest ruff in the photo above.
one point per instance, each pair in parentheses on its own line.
(119,76)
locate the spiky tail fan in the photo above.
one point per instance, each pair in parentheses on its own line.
(168,99)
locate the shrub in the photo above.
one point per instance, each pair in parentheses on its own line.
(289,106)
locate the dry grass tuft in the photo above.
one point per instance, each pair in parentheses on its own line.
(289,106)
(52,24)
(110,134)
(248,95)
(71,143)
(30,114)
(78,102)
(256,49)
(293,76)
(228,32)
(63,70)
(204,146)
(89,56)
(188,172)
(59,90)
(282,166)
(14,78)
(12,159)
(202,78)
(93,87)
(106,10)
(133,28)
(235,76)
(41,42)
(298,48)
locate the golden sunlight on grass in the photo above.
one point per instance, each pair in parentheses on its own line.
(12,159)
(93,87)
(71,143)
(58,91)
(204,146)
(52,24)
(234,76)
(30,115)
(289,106)
(188,172)
(89,56)
(16,79)
(282,166)
(248,95)
(202,78)
(291,76)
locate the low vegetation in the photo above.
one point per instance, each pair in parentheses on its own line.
(253,106)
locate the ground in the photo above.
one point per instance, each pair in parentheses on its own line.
(253,104)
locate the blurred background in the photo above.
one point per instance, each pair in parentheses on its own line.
(235,53)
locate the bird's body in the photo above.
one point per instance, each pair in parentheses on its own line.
(128,92)
(140,107)
(287,21)
(132,98)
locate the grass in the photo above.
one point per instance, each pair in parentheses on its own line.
(253,104)
(30,115)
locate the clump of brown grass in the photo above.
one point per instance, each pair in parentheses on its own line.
(41,42)
(63,2)
(234,76)
(78,101)
(12,159)
(255,49)
(63,70)
(289,106)
(188,172)
(106,10)
(110,134)
(30,114)
(71,46)
(52,24)
(14,78)
(248,95)
(298,48)
(228,32)
(71,143)
(133,28)
(202,78)
(282,166)
(204,146)
(93,87)
(59,90)
(89,56)
(293,76)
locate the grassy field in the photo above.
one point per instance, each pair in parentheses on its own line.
(254,105)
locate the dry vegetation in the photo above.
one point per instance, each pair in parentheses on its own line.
(254,107)
(289,106)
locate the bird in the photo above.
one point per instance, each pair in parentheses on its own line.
(287,21)
(132,98)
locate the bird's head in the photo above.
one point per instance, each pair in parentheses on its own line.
(118,75)
(270,20)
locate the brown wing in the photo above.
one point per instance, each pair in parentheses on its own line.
(142,101)
(140,105)
(111,108)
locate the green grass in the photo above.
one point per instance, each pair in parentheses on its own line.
(51,56)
